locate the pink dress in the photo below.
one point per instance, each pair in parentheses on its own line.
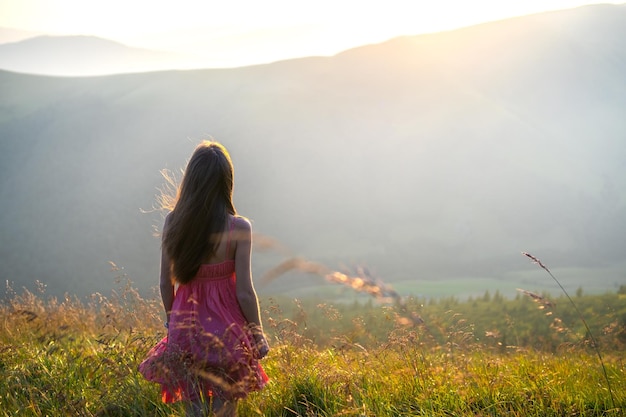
(209,348)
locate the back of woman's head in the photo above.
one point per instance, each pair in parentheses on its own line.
(208,176)
(203,202)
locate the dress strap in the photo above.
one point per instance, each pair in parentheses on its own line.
(230,232)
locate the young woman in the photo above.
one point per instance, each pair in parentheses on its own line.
(215,336)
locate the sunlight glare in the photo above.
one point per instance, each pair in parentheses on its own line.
(240,32)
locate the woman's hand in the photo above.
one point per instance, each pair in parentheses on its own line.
(262,347)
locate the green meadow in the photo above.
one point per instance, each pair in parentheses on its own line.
(483,356)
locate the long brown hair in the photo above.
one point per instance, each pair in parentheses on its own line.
(203,202)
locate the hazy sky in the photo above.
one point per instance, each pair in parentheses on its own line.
(242,32)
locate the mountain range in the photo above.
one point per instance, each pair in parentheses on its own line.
(83,56)
(430,158)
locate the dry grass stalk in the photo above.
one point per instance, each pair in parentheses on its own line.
(539,299)
(361,282)
(593,339)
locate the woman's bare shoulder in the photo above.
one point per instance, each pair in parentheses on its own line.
(242,224)
(242,229)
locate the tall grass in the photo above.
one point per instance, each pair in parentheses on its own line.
(80,357)
(582,319)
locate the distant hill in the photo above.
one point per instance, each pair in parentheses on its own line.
(8,35)
(428,158)
(81,56)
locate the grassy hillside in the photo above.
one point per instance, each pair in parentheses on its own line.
(490,356)
(426,158)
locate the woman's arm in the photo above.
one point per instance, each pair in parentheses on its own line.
(165,281)
(246,295)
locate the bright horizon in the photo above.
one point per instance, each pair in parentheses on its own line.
(244,32)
